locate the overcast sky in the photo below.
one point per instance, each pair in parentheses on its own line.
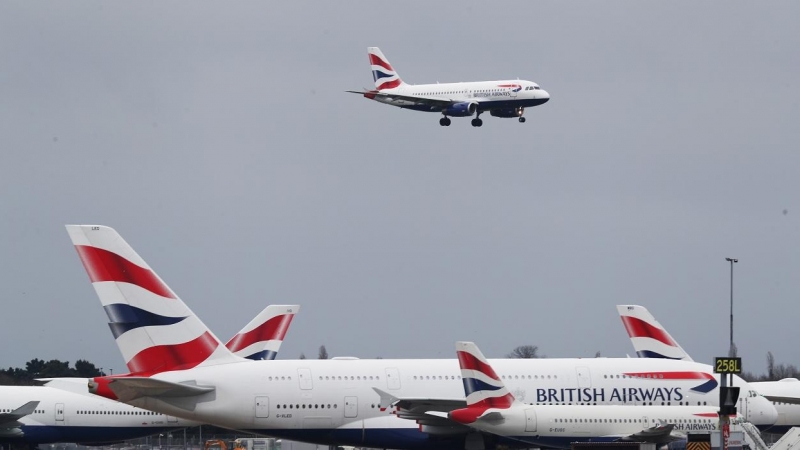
(218,140)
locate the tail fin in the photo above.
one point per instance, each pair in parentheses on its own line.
(482,386)
(154,329)
(262,337)
(382,72)
(648,337)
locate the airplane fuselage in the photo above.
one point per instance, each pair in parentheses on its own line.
(64,416)
(333,401)
(488,95)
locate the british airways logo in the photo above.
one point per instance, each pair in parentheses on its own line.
(514,87)
(615,395)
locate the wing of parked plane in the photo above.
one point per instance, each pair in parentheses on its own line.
(659,434)
(9,422)
(425,411)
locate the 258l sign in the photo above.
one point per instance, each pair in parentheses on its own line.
(728,365)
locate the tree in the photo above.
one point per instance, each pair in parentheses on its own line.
(323,352)
(770,366)
(85,369)
(34,367)
(524,351)
(302,356)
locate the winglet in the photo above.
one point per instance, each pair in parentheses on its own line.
(649,338)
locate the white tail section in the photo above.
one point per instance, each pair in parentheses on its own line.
(154,329)
(383,73)
(648,337)
(263,336)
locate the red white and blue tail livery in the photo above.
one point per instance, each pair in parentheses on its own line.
(501,98)
(154,330)
(482,386)
(262,337)
(649,338)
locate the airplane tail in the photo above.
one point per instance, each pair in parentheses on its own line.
(262,337)
(649,338)
(154,330)
(382,72)
(483,388)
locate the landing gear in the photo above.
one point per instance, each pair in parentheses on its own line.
(521,120)
(477,122)
(444,121)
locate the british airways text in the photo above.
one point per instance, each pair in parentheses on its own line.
(623,395)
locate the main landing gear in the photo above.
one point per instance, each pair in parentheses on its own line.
(476,122)
(444,121)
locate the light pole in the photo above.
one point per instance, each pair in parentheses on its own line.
(732,261)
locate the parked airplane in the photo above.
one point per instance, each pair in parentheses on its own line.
(651,340)
(493,409)
(502,98)
(346,402)
(63,411)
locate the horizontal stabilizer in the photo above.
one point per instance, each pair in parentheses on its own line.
(76,385)
(9,419)
(132,388)
(495,416)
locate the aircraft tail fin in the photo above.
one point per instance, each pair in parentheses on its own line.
(649,338)
(483,388)
(263,336)
(154,330)
(383,73)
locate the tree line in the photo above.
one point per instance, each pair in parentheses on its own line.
(37,368)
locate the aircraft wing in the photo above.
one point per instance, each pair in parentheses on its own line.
(661,434)
(433,102)
(132,388)
(9,422)
(425,411)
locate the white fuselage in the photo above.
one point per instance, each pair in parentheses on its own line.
(65,416)
(488,94)
(788,413)
(333,401)
(560,425)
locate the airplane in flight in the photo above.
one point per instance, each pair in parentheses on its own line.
(501,98)
(380,403)
(63,410)
(651,340)
(492,408)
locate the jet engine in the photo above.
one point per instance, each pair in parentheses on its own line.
(508,112)
(462,109)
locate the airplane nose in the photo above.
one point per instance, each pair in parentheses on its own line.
(763,412)
(545,96)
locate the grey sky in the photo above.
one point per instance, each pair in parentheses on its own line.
(218,140)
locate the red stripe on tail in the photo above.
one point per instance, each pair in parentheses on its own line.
(103,265)
(468,361)
(274,328)
(639,328)
(161,358)
(377,61)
